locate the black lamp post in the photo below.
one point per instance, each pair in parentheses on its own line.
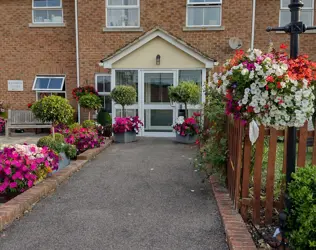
(295,28)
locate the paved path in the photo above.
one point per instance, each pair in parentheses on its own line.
(135,196)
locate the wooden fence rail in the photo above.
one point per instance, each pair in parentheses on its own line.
(252,169)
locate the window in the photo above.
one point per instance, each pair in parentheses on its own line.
(204,13)
(122,13)
(103,86)
(307,13)
(47,11)
(49,85)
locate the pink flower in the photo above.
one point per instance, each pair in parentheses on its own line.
(13,185)
(30,184)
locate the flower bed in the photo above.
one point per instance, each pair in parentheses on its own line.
(270,88)
(82,138)
(23,165)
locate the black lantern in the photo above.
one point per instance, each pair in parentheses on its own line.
(158,60)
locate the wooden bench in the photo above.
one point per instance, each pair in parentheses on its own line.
(23,119)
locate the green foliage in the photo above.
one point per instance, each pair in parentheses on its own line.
(124,95)
(88,124)
(213,138)
(74,126)
(185,92)
(59,137)
(58,145)
(90,101)
(104,118)
(53,109)
(302,217)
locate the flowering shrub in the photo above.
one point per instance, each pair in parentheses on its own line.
(127,124)
(29,105)
(269,88)
(2,125)
(187,126)
(77,93)
(84,139)
(22,165)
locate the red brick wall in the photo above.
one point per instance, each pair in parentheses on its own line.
(26,52)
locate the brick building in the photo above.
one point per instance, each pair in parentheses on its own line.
(150,44)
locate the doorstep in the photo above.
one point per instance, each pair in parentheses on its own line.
(16,207)
(237,235)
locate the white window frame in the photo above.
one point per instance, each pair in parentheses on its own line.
(218,4)
(107,6)
(48,8)
(96,85)
(52,77)
(312,9)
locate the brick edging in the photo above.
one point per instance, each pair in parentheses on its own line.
(237,235)
(16,207)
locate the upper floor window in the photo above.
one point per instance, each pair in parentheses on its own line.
(122,13)
(204,13)
(307,13)
(47,11)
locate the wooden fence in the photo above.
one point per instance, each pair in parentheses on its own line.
(252,169)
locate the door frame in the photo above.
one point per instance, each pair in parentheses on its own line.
(138,105)
(143,106)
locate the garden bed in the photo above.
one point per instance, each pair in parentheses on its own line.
(17,206)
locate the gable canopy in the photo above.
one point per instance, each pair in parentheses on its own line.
(142,53)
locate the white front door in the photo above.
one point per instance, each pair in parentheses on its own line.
(157,112)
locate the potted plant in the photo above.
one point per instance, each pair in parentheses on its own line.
(90,102)
(187,92)
(126,128)
(187,130)
(53,109)
(65,151)
(124,95)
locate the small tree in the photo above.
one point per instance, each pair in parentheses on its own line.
(53,109)
(186,92)
(91,102)
(124,95)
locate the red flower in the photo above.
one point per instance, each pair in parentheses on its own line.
(29,105)
(229,96)
(267,87)
(239,108)
(279,85)
(250,109)
(283,46)
(270,79)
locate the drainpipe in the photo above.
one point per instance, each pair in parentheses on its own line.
(77,52)
(253,24)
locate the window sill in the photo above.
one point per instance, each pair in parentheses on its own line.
(46,25)
(306,32)
(219,28)
(140,29)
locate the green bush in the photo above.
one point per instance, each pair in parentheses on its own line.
(88,124)
(53,109)
(91,102)
(59,137)
(74,126)
(104,118)
(302,216)
(124,95)
(186,92)
(58,146)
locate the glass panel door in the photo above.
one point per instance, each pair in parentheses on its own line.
(158,111)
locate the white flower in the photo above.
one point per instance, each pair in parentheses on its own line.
(244,72)
(283,84)
(284,67)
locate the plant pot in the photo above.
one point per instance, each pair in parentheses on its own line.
(125,137)
(188,139)
(64,161)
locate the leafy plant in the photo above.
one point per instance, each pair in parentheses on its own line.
(91,102)
(77,93)
(88,124)
(104,118)
(187,92)
(124,95)
(302,216)
(53,109)
(74,126)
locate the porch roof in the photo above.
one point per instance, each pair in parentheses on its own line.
(149,36)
